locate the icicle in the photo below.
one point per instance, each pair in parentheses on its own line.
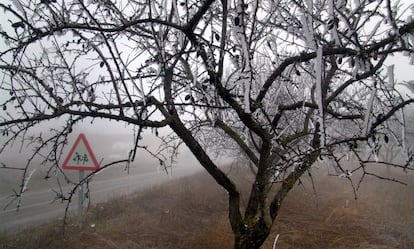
(371,149)
(247,96)
(341,5)
(295,165)
(308,34)
(332,19)
(411,40)
(274,5)
(373,32)
(310,6)
(166,7)
(141,90)
(361,65)
(355,65)
(404,146)
(405,39)
(154,9)
(188,89)
(376,158)
(310,23)
(403,129)
(331,9)
(180,35)
(176,13)
(356,6)
(367,152)
(390,74)
(318,72)
(19,6)
(368,111)
(336,37)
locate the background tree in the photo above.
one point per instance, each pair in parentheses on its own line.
(286,82)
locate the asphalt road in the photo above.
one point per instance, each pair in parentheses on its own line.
(37,207)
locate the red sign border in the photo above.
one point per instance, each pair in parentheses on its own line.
(72,150)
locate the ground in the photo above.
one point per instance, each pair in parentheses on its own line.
(191,213)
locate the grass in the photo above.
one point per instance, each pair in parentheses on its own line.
(191,213)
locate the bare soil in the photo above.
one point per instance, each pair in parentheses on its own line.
(191,213)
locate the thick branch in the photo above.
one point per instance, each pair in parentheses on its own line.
(238,140)
(219,176)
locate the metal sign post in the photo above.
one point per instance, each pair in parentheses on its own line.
(80,198)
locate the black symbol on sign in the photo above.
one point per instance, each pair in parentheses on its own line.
(80,158)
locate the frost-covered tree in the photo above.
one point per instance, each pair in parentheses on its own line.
(286,82)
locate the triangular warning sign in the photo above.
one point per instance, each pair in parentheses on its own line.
(80,156)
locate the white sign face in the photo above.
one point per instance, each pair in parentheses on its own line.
(81,156)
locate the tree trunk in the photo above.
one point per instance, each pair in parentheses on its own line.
(247,242)
(252,236)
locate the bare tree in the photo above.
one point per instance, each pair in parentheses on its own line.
(286,82)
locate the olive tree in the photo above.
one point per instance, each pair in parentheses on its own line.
(284,82)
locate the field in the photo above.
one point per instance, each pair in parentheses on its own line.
(191,213)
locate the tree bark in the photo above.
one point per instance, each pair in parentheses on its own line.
(252,235)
